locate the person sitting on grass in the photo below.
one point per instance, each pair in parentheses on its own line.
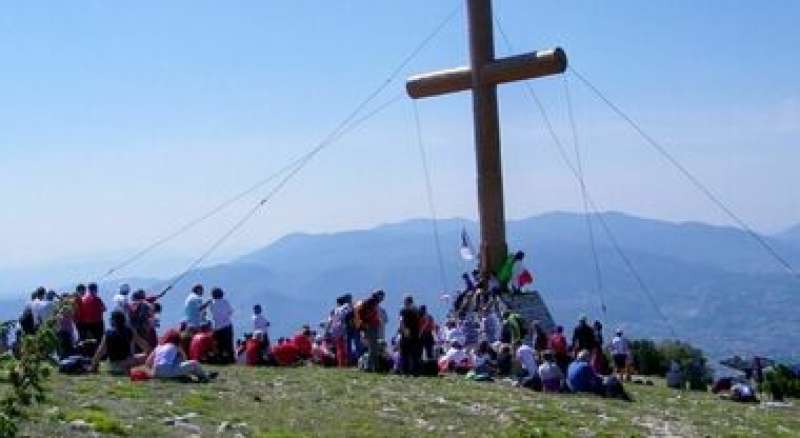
(302,341)
(485,359)
(254,351)
(321,352)
(550,373)
(285,353)
(202,348)
(167,361)
(455,360)
(504,360)
(117,344)
(581,377)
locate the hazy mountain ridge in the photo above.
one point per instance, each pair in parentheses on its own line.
(714,284)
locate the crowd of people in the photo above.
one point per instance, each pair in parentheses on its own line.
(481,338)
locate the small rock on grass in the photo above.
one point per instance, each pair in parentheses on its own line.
(80,425)
(189,427)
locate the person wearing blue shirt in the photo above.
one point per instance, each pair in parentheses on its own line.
(580,376)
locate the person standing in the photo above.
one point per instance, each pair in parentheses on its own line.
(194,309)
(427,330)
(540,340)
(490,324)
(558,345)
(341,317)
(92,309)
(39,306)
(221,313)
(368,315)
(620,352)
(410,345)
(583,337)
(120,300)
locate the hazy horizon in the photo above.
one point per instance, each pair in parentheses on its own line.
(121,125)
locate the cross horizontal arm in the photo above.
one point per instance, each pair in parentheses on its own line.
(513,68)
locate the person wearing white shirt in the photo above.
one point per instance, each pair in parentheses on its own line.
(39,306)
(194,308)
(620,350)
(550,373)
(453,333)
(260,323)
(454,359)
(120,300)
(221,312)
(527,360)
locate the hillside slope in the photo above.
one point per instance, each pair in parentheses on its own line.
(309,401)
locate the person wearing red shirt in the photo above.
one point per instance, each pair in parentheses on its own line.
(285,353)
(368,313)
(302,341)
(201,348)
(91,310)
(558,345)
(254,350)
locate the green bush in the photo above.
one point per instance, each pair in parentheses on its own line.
(646,358)
(780,382)
(27,373)
(654,359)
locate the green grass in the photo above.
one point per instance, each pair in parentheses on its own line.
(101,421)
(299,402)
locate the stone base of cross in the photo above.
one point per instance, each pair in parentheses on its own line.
(482,77)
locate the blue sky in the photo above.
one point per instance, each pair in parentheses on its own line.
(121,122)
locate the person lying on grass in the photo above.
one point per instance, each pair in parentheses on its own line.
(117,345)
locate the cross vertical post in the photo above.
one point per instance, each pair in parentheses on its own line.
(482,76)
(493,247)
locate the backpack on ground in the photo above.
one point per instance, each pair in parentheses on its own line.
(74,365)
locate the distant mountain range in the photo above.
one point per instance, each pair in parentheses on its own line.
(716,286)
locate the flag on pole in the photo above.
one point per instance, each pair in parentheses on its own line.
(525,278)
(467,253)
(520,275)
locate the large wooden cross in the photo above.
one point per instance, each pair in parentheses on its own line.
(482,77)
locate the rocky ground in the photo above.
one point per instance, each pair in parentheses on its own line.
(309,401)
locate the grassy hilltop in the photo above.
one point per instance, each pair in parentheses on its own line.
(267,402)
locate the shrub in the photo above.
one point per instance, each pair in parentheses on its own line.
(654,359)
(781,382)
(646,358)
(27,373)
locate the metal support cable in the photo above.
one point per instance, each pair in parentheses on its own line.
(586,213)
(340,129)
(567,162)
(694,180)
(429,193)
